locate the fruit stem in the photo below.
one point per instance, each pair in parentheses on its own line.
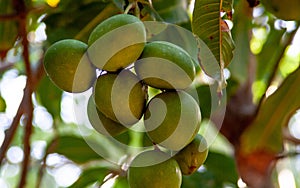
(130,6)
(156,148)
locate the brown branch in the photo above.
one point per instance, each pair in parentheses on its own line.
(28,131)
(9,17)
(288,137)
(5,67)
(9,134)
(21,7)
(287,154)
(41,172)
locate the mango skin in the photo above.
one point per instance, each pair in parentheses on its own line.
(172,119)
(146,172)
(285,10)
(191,157)
(120,97)
(101,123)
(117,42)
(68,66)
(164,65)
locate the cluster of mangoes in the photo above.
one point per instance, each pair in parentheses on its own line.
(120,65)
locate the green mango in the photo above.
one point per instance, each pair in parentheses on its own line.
(101,123)
(164,65)
(191,157)
(120,97)
(172,119)
(117,42)
(68,66)
(152,169)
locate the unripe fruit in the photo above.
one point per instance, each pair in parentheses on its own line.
(286,10)
(117,42)
(120,97)
(101,123)
(191,157)
(67,65)
(165,65)
(172,119)
(152,169)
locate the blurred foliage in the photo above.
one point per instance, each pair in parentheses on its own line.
(231,48)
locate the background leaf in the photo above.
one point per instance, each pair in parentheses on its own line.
(276,43)
(68,22)
(2,104)
(266,130)
(242,24)
(74,148)
(89,176)
(219,170)
(171,11)
(222,166)
(49,96)
(121,182)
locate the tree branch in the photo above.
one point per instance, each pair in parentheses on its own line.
(9,134)
(9,17)
(21,7)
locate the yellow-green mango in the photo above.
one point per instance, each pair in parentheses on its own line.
(101,123)
(153,169)
(191,157)
(172,119)
(117,42)
(120,96)
(68,67)
(164,65)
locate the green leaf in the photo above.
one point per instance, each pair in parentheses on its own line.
(176,35)
(89,176)
(204,98)
(171,11)
(265,133)
(219,170)
(240,32)
(49,96)
(200,179)
(74,148)
(67,22)
(276,43)
(218,163)
(121,182)
(215,43)
(2,104)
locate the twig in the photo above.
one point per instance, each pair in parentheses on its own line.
(287,154)
(41,172)
(9,134)
(288,137)
(5,67)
